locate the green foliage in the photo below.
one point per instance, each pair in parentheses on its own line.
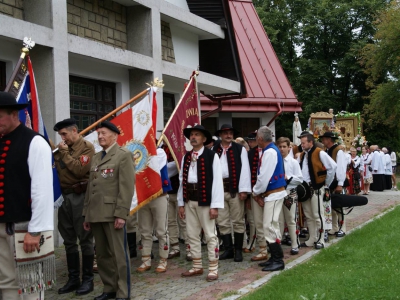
(381,60)
(363,265)
(319,43)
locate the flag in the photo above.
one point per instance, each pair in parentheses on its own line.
(32,118)
(186,114)
(137,135)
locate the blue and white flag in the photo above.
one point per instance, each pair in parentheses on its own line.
(32,118)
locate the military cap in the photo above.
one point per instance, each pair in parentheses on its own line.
(64,123)
(109,125)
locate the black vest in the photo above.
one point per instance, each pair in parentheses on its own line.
(233,156)
(15,181)
(204,176)
(254,157)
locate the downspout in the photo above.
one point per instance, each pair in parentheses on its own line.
(210,113)
(277,114)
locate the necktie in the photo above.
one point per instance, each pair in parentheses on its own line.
(103,153)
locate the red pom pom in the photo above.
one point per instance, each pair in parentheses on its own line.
(278,241)
(297,232)
(341,222)
(140,247)
(321,230)
(216,250)
(8,142)
(188,246)
(165,182)
(166,247)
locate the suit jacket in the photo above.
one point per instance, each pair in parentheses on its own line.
(111,185)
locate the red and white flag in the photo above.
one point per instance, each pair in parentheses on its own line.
(186,114)
(137,135)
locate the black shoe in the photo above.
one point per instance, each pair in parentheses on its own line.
(304,245)
(302,235)
(340,233)
(182,241)
(106,296)
(266,263)
(294,251)
(319,246)
(228,253)
(87,276)
(73,266)
(287,241)
(277,258)
(238,246)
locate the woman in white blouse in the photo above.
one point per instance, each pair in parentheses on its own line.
(367,175)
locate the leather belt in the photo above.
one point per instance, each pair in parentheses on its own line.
(226,183)
(192,191)
(266,194)
(78,188)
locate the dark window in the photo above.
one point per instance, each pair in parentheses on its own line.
(169,106)
(245,125)
(90,100)
(2,76)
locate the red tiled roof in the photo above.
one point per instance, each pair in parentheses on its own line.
(265,81)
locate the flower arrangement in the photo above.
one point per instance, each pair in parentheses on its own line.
(358,142)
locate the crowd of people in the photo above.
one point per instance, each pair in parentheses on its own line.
(231,195)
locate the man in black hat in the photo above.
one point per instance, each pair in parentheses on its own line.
(236,178)
(73,165)
(107,204)
(318,170)
(26,189)
(200,198)
(328,139)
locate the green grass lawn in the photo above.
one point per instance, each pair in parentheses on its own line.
(363,265)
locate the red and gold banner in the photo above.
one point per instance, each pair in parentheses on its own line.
(186,114)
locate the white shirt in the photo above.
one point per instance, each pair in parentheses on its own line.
(393,158)
(217,193)
(342,160)
(388,164)
(172,169)
(41,173)
(328,163)
(357,162)
(292,169)
(162,158)
(269,159)
(245,179)
(367,158)
(378,166)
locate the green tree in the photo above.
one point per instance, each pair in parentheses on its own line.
(318,43)
(381,60)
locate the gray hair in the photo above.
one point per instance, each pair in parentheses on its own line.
(265,133)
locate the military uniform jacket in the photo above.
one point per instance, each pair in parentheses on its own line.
(73,163)
(111,185)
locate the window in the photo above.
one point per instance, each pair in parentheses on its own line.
(245,125)
(90,100)
(2,76)
(169,106)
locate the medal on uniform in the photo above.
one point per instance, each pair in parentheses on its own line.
(96,168)
(104,173)
(111,172)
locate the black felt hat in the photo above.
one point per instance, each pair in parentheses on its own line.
(7,101)
(226,127)
(251,136)
(303,192)
(304,133)
(64,123)
(328,134)
(109,125)
(207,134)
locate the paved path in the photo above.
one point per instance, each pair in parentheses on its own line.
(232,276)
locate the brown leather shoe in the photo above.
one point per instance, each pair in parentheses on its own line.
(259,257)
(174,253)
(142,269)
(247,250)
(212,276)
(162,266)
(192,272)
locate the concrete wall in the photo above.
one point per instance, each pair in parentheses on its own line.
(186,47)
(180,3)
(12,8)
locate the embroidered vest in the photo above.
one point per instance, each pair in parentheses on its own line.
(253,163)
(233,156)
(15,180)
(316,169)
(204,176)
(278,177)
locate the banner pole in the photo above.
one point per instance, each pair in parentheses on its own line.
(137,97)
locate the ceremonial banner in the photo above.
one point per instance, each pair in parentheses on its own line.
(137,135)
(32,118)
(186,114)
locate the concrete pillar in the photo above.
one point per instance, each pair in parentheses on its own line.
(39,12)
